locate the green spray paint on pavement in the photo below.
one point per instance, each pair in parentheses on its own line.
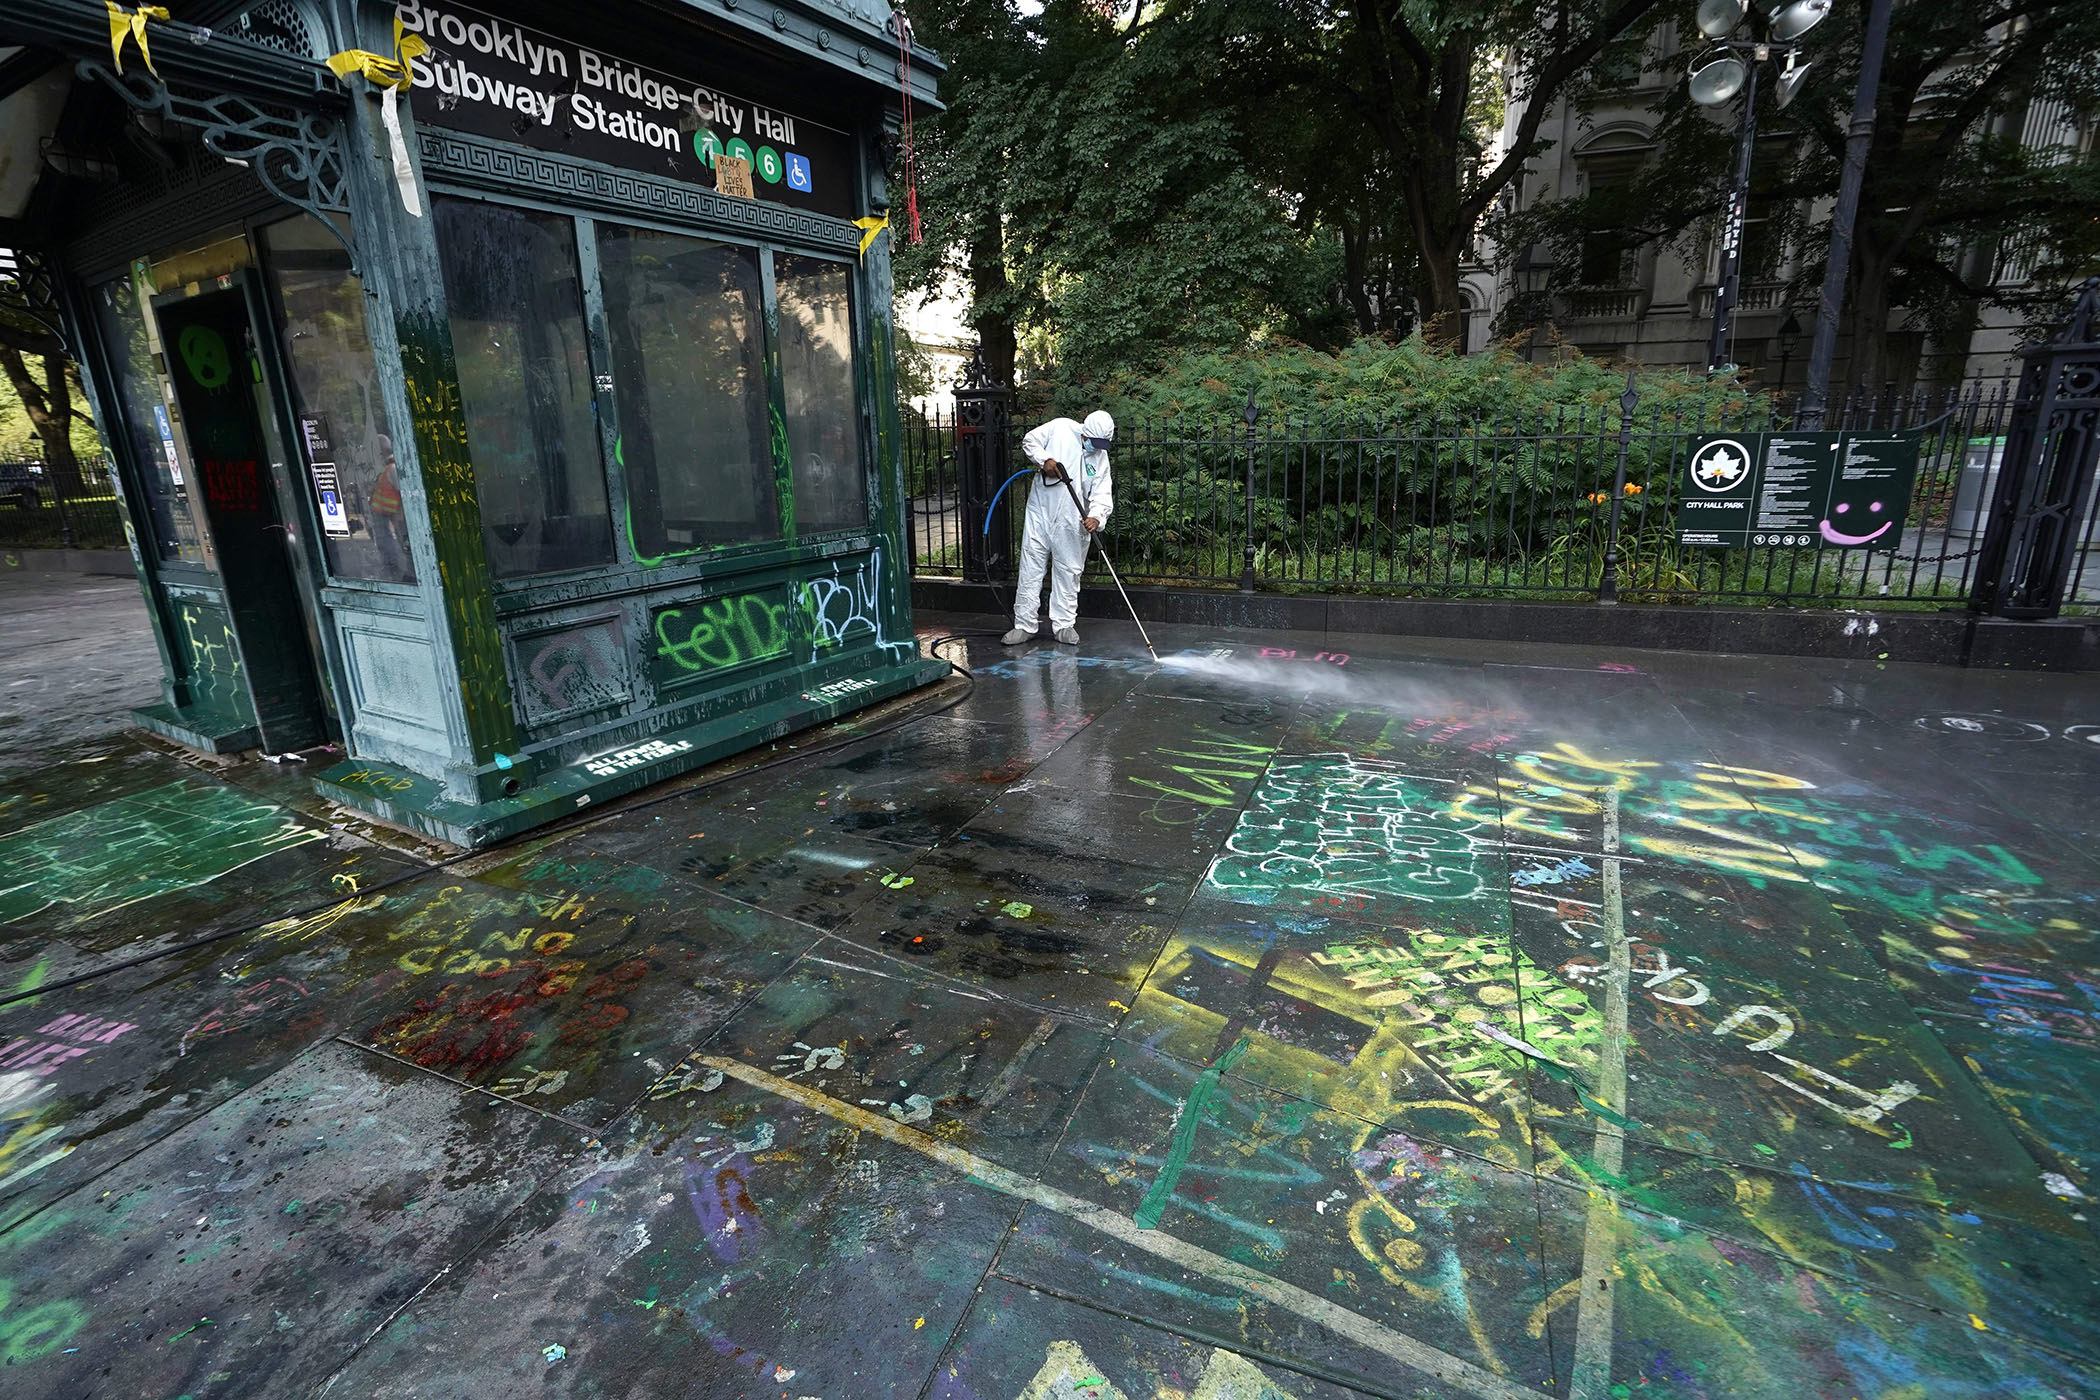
(136,847)
(1155,1203)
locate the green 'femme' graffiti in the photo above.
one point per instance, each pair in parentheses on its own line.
(136,847)
(723,632)
(822,614)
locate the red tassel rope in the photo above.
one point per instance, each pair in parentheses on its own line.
(911,168)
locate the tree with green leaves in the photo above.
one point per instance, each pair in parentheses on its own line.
(1951,192)
(1410,94)
(964,159)
(33,357)
(1948,176)
(1090,178)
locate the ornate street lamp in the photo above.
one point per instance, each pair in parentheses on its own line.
(1534,275)
(1789,339)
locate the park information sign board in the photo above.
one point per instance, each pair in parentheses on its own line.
(498,79)
(1801,490)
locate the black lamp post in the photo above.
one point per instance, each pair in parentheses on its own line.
(1789,338)
(1534,276)
(1731,67)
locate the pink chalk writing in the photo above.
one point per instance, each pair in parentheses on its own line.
(1336,658)
(270,997)
(74,1036)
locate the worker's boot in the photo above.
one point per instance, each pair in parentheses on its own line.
(1018,636)
(1068,635)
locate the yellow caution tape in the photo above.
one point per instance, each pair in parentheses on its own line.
(390,76)
(869,228)
(377,68)
(132,25)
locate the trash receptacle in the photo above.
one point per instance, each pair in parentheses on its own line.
(1972,494)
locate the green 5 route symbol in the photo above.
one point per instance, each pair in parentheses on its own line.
(768,164)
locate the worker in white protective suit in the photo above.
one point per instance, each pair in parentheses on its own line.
(1056,531)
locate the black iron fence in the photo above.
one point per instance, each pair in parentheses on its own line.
(1518,505)
(41,510)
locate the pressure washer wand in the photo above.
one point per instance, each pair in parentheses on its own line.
(1073,492)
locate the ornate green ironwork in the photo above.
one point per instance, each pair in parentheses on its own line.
(298,156)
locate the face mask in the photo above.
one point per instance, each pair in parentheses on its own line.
(1098,444)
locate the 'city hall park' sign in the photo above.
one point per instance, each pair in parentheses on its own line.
(1802,490)
(502,80)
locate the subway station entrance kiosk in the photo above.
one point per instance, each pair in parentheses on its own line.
(516,409)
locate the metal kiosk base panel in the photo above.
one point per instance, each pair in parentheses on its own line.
(188,728)
(411,801)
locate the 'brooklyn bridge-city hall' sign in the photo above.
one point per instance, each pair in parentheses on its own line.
(501,80)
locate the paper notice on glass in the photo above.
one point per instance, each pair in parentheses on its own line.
(733,177)
(328,492)
(320,461)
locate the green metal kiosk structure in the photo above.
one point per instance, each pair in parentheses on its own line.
(515,410)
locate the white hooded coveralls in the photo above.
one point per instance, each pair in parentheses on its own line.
(1054,533)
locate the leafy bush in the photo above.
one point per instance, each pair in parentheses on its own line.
(1377,381)
(1386,462)
(1393,468)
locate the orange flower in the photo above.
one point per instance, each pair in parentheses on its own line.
(1632,489)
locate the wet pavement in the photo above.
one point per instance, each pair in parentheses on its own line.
(1382,1018)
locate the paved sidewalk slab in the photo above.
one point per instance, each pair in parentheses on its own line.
(1443,1019)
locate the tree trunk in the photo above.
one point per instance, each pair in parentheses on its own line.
(1355,279)
(1870,322)
(1439,243)
(1443,305)
(989,295)
(51,414)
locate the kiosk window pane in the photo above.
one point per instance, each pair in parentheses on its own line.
(335,392)
(689,365)
(515,298)
(816,372)
(146,423)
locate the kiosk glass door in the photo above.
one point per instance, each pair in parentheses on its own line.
(210,347)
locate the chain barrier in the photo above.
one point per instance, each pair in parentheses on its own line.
(1922,558)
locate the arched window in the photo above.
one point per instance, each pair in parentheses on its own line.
(1607,164)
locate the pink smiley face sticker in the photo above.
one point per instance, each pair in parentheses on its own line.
(1835,536)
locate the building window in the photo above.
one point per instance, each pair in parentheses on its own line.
(1610,254)
(516,304)
(686,321)
(1761,244)
(335,395)
(816,373)
(1766,216)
